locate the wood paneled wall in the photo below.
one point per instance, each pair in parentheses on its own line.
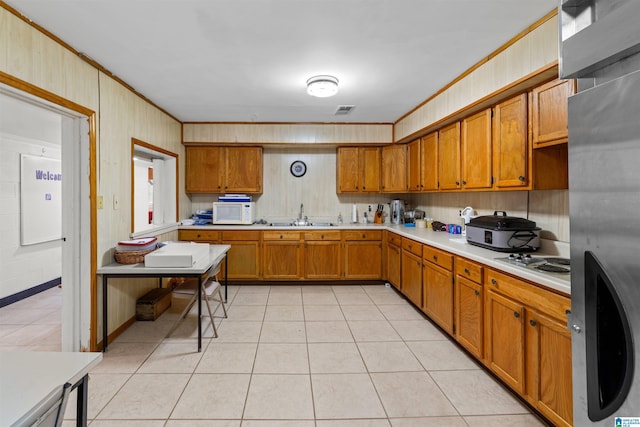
(31,56)
(533,52)
(278,133)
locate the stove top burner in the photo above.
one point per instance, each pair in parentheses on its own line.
(552,268)
(558,261)
(556,266)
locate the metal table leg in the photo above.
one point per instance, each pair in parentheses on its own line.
(105,336)
(199,313)
(81,410)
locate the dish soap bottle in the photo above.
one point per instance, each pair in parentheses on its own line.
(340,218)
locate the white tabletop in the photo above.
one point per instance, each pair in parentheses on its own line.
(216,254)
(26,378)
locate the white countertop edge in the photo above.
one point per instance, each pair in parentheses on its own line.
(440,240)
(216,255)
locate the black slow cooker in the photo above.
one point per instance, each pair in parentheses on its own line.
(503,233)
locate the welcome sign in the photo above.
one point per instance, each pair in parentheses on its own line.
(40,199)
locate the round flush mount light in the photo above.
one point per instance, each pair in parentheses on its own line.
(322,86)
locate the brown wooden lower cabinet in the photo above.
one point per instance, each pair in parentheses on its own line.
(437,276)
(505,339)
(282,255)
(322,255)
(393,263)
(469,316)
(243,258)
(412,277)
(362,255)
(548,356)
(529,345)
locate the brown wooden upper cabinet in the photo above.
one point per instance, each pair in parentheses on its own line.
(358,169)
(449,157)
(429,155)
(511,150)
(394,168)
(549,112)
(477,151)
(422,163)
(223,169)
(414,166)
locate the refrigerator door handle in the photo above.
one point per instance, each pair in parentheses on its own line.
(609,343)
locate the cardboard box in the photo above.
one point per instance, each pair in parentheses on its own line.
(152,304)
(177,254)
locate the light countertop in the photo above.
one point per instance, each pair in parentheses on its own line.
(453,243)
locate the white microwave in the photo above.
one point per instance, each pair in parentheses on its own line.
(233,212)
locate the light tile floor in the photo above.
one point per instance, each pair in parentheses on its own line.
(292,356)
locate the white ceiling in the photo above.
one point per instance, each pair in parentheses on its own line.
(248,60)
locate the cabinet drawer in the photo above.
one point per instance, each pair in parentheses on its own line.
(469,270)
(362,235)
(322,235)
(394,239)
(529,294)
(438,257)
(240,235)
(281,235)
(412,246)
(199,235)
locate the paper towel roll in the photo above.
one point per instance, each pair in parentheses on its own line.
(354,214)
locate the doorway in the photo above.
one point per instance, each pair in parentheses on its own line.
(77,236)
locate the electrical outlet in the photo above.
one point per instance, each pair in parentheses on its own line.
(116,203)
(100,202)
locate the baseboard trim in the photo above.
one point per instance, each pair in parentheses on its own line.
(29,292)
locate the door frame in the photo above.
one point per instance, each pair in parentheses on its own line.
(79,253)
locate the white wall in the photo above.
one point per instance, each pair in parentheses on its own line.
(24,129)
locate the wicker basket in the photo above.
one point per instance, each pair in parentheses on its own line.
(131,257)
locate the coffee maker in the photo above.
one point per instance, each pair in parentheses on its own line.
(397,211)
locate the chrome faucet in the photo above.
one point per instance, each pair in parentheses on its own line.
(301,220)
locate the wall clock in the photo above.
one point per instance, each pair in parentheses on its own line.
(298,168)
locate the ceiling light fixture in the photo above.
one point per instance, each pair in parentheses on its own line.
(322,86)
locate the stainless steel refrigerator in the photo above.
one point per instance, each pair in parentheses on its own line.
(600,41)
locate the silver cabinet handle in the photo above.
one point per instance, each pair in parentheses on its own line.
(577,329)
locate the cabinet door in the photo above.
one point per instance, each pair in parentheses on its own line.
(394,168)
(363,260)
(322,259)
(505,339)
(412,277)
(429,159)
(244,260)
(511,144)
(438,295)
(477,151)
(243,167)
(469,317)
(449,157)
(548,363)
(281,260)
(348,170)
(393,265)
(244,256)
(369,161)
(203,166)
(550,112)
(414,166)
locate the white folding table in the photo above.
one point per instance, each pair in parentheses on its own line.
(200,269)
(27,378)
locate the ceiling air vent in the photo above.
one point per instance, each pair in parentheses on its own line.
(344,110)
